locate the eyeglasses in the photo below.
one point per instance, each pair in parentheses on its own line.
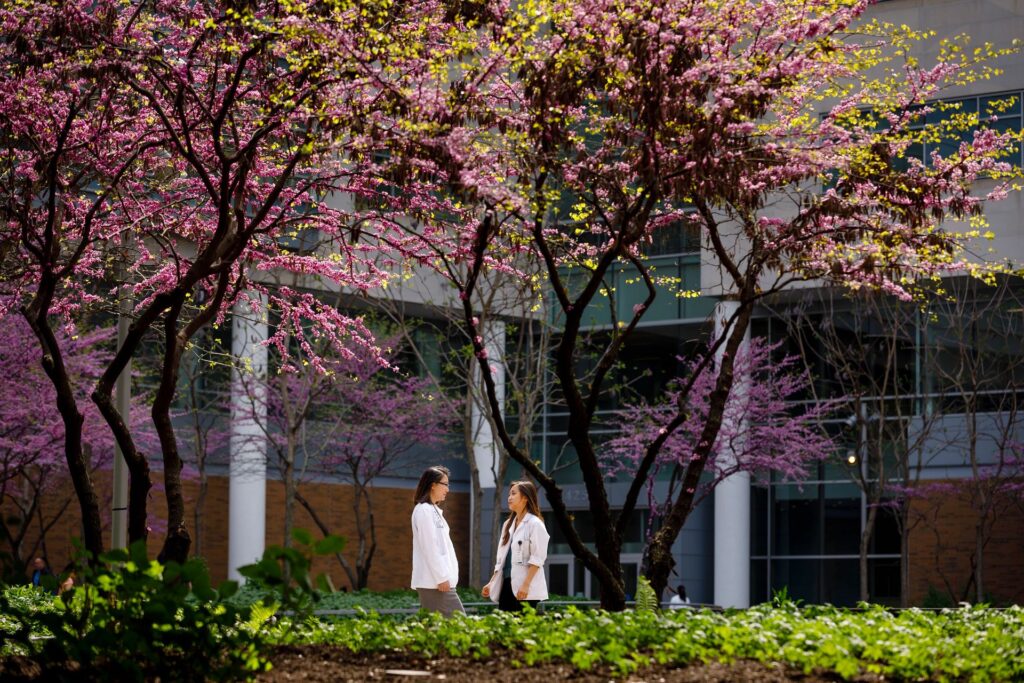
(442,483)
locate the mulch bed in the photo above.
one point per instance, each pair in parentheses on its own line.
(322,663)
(336,665)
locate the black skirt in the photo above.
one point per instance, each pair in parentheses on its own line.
(507,600)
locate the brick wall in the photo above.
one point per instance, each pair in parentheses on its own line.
(391,566)
(943,541)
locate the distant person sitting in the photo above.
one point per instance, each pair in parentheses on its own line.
(39,570)
(679,600)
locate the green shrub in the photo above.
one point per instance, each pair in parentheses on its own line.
(937,598)
(131,619)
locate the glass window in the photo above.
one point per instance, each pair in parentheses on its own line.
(558,578)
(884,580)
(633,290)
(796,514)
(630,571)
(951,122)
(800,578)
(759,582)
(678,238)
(840,582)
(885,540)
(759,520)
(842,519)
(580,575)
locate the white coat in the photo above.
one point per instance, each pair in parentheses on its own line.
(433,555)
(528,544)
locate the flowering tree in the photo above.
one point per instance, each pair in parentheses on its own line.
(62,162)
(356,420)
(33,477)
(511,309)
(761,432)
(201,139)
(573,133)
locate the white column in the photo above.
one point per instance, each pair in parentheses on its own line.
(732,503)
(247,488)
(485,446)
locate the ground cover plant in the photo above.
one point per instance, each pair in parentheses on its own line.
(973,643)
(369,600)
(774,640)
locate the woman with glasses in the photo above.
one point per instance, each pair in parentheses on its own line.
(519,571)
(435,569)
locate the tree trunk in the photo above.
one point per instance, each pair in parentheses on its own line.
(318,520)
(199,441)
(498,518)
(288,474)
(200,510)
(865,544)
(980,536)
(661,562)
(178,541)
(904,554)
(53,364)
(367,540)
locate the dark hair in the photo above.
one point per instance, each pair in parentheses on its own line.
(681,591)
(528,491)
(430,476)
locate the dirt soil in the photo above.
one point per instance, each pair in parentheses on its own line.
(336,665)
(318,663)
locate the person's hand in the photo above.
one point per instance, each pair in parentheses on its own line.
(486,591)
(522,592)
(444,587)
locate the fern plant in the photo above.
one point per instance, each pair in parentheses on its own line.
(646,598)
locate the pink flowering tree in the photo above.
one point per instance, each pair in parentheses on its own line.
(377,420)
(575,133)
(182,150)
(762,432)
(64,158)
(34,494)
(354,421)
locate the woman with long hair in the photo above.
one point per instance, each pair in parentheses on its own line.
(519,570)
(435,568)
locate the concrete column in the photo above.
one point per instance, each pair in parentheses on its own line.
(732,504)
(486,450)
(485,447)
(247,488)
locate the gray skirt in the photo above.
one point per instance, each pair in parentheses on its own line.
(434,600)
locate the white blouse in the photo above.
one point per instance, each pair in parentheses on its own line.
(433,554)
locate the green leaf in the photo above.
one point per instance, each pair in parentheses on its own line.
(302,536)
(226,589)
(329,545)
